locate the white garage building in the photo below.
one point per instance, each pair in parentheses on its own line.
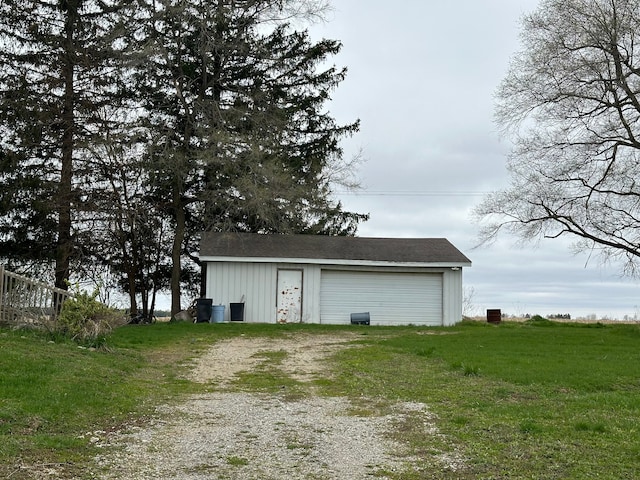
(321,279)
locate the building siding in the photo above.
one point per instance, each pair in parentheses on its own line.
(256,282)
(452,296)
(232,282)
(229,282)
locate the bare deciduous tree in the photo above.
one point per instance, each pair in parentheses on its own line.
(570,102)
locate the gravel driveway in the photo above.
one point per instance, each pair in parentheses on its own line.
(230,435)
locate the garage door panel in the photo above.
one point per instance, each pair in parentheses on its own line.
(391,298)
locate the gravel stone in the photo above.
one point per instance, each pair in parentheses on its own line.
(236,435)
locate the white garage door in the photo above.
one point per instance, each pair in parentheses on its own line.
(390,298)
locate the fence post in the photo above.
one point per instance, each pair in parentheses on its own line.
(58,300)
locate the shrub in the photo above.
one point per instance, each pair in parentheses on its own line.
(87,321)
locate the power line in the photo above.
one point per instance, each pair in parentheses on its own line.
(434,193)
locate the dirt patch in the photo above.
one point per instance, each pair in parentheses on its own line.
(303,356)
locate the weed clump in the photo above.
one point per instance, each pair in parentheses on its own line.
(87,321)
(540,321)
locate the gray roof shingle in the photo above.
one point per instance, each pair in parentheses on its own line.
(318,247)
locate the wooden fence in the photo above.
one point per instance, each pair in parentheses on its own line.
(24,301)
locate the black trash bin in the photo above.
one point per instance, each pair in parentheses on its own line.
(362,318)
(203,309)
(237,312)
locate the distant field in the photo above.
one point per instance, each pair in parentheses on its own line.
(605,321)
(521,400)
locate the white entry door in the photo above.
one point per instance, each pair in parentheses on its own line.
(289,297)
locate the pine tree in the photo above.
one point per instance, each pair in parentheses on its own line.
(56,89)
(120,119)
(240,140)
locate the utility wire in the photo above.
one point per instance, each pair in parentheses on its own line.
(443,193)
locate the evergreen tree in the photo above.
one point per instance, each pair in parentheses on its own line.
(58,64)
(240,140)
(129,126)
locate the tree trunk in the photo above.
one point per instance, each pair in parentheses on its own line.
(176,251)
(131,279)
(64,247)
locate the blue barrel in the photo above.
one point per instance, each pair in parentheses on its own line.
(218,314)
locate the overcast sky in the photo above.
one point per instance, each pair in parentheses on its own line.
(421,79)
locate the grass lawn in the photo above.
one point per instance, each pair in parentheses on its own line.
(515,401)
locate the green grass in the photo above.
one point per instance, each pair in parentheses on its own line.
(237,461)
(52,393)
(520,401)
(516,401)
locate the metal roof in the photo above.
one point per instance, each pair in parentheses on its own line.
(322,247)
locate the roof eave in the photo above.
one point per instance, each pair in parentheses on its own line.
(331,261)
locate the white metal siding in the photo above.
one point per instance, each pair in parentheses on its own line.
(452,296)
(230,282)
(227,282)
(439,299)
(391,298)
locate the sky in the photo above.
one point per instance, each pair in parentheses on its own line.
(421,79)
